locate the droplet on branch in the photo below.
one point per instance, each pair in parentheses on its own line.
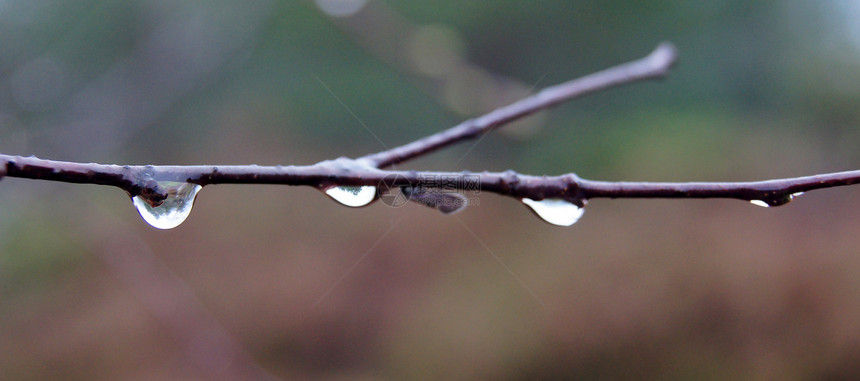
(173,210)
(555,210)
(352,196)
(777,200)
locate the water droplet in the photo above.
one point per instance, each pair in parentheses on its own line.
(778,200)
(760,203)
(444,201)
(556,211)
(352,196)
(175,208)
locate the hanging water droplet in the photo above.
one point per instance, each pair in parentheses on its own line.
(760,203)
(778,200)
(445,202)
(556,211)
(173,210)
(352,196)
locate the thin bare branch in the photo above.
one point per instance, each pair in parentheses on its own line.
(655,65)
(772,192)
(145,180)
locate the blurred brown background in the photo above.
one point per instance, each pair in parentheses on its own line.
(281,281)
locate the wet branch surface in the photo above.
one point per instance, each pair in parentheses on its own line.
(367,171)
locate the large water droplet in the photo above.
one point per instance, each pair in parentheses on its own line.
(444,201)
(175,208)
(556,211)
(776,200)
(352,196)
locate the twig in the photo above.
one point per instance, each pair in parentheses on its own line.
(655,65)
(772,192)
(144,180)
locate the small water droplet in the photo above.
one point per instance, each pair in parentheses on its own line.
(175,208)
(760,203)
(556,211)
(778,200)
(444,201)
(352,196)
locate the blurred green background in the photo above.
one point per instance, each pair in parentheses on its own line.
(281,281)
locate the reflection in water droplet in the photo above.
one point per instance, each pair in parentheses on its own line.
(175,208)
(447,202)
(556,211)
(352,196)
